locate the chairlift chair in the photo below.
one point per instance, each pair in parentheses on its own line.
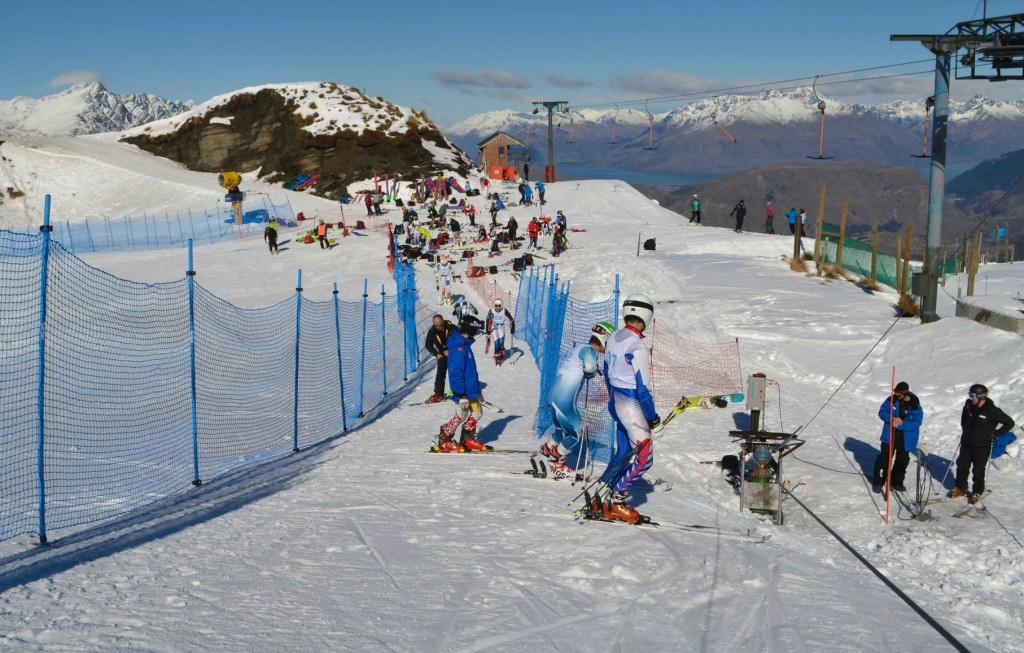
(928,104)
(650,135)
(821,109)
(714,119)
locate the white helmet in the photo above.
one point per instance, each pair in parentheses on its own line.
(639,306)
(498,304)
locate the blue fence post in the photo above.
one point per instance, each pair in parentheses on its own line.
(383,341)
(362,351)
(128,230)
(71,238)
(41,391)
(170,234)
(88,233)
(615,322)
(110,232)
(337,339)
(403,316)
(191,274)
(298,330)
(181,232)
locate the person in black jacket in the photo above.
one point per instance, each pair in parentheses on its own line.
(436,345)
(981,421)
(740,211)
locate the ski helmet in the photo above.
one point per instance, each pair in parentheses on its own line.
(498,305)
(601,331)
(979,391)
(639,306)
(469,325)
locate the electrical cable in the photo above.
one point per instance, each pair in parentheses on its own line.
(856,367)
(765,85)
(891,585)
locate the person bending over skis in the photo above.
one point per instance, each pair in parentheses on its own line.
(573,373)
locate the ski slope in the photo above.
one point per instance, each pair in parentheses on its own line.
(368,543)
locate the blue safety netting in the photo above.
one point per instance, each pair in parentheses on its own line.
(163,230)
(144,389)
(20,268)
(552,324)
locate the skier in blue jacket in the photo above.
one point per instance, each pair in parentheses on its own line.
(904,409)
(465,385)
(573,373)
(540,191)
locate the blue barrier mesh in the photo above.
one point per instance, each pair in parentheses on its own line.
(552,323)
(118,415)
(118,422)
(245,377)
(171,230)
(20,272)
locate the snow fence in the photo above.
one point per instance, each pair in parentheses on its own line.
(552,323)
(116,394)
(171,230)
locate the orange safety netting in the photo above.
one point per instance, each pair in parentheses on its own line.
(488,289)
(681,367)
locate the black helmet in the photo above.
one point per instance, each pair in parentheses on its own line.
(978,390)
(470,325)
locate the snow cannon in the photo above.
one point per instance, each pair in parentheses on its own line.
(759,470)
(229,180)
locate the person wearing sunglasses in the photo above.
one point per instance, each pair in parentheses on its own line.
(903,411)
(982,421)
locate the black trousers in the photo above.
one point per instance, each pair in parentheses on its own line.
(442,371)
(900,461)
(976,457)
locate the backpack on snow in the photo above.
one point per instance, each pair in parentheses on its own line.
(649,244)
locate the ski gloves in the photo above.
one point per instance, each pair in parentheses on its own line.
(657,428)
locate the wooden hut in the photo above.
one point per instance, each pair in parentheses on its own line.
(494,155)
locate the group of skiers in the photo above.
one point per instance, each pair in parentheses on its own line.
(739,212)
(985,433)
(627,375)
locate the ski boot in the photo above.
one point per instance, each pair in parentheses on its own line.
(616,509)
(956,493)
(468,440)
(561,470)
(434,399)
(499,356)
(445,442)
(550,450)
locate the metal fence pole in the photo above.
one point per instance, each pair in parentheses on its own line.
(41,391)
(191,274)
(298,331)
(615,321)
(337,340)
(383,342)
(362,351)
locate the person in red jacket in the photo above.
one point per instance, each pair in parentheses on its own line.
(533,230)
(769,218)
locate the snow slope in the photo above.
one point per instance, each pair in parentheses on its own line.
(94,176)
(368,543)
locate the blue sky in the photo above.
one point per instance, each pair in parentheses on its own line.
(456,59)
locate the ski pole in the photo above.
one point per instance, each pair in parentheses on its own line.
(949,467)
(585,440)
(678,409)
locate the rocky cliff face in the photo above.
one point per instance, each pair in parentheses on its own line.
(290,129)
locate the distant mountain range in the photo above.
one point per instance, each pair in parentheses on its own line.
(770,128)
(84,109)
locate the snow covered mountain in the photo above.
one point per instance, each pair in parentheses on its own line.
(771,127)
(284,130)
(85,109)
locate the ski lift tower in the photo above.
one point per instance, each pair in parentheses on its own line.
(551,106)
(994,51)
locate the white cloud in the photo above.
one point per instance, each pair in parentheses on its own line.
(489,78)
(78,77)
(661,82)
(559,81)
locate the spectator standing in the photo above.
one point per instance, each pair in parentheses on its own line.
(740,211)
